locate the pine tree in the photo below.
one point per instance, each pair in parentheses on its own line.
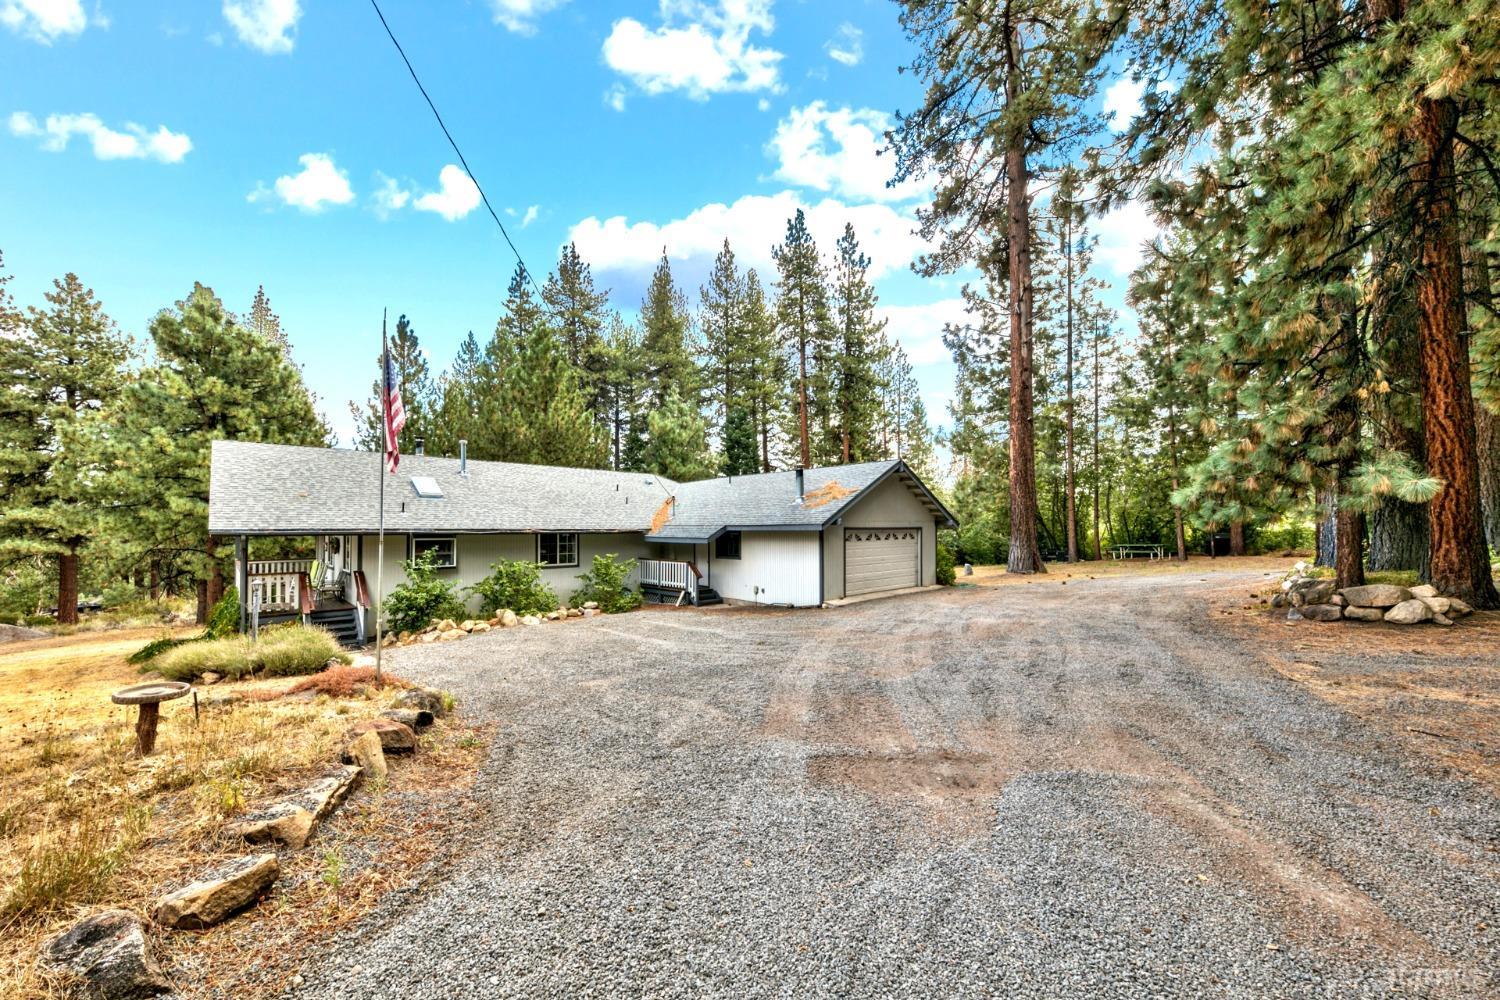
(457,396)
(67,362)
(419,397)
(623,418)
(677,441)
(764,395)
(802,317)
(579,310)
(859,334)
(666,360)
(261,320)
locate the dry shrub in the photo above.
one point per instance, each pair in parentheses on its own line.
(826,494)
(279,652)
(344,681)
(225,657)
(72,864)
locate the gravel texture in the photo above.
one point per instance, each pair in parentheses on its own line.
(1082,790)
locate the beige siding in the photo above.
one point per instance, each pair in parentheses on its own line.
(888,505)
(782,564)
(476,553)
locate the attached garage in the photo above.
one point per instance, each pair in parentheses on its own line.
(877,559)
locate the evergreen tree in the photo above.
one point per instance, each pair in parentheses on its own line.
(264,322)
(803,319)
(579,311)
(666,360)
(68,361)
(625,412)
(741,456)
(457,393)
(859,333)
(418,396)
(721,318)
(677,441)
(764,395)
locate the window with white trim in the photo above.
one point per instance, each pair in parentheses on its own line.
(557,548)
(444,550)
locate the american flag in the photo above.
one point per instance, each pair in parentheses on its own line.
(395,413)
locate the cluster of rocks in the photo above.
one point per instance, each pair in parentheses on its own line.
(448,629)
(1312,599)
(107,953)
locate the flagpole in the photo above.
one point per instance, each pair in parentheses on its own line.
(385,402)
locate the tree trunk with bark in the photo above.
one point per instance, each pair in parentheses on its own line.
(1236,538)
(1398,537)
(1459,557)
(1328,500)
(67,586)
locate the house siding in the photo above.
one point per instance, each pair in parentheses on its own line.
(889,505)
(783,564)
(476,553)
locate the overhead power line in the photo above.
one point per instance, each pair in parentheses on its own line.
(458,152)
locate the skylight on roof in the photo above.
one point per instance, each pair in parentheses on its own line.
(426,487)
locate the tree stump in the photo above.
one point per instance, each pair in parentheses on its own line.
(149,698)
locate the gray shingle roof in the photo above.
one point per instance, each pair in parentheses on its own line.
(288,490)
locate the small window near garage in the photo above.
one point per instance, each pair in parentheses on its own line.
(727,545)
(557,548)
(444,551)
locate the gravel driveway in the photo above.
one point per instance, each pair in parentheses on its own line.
(1077,790)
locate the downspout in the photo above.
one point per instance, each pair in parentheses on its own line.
(822,538)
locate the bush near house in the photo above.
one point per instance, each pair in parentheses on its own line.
(281,651)
(605,583)
(514,584)
(945,574)
(413,604)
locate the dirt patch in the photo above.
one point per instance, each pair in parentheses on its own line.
(956,791)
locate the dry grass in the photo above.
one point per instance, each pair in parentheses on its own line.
(826,494)
(82,824)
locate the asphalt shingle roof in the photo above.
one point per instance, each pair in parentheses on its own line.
(290,490)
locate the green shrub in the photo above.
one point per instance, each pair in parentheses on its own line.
(423,596)
(605,583)
(294,649)
(189,660)
(119,593)
(516,585)
(945,575)
(1282,535)
(38,621)
(979,542)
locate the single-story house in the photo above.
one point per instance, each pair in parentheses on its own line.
(796,538)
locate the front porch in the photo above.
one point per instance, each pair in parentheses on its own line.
(329,592)
(665,581)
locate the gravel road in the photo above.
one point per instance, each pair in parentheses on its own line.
(1079,790)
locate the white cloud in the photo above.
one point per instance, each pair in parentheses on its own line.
(919,328)
(753,224)
(615,97)
(700,48)
(839,150)
(45,20)
(134,143)
(1122,102)
(455,198)
(531,215)
(847,45)
(317,185)
(268,26)
(1123,234)
(390,197)
(521,16)
(763,104)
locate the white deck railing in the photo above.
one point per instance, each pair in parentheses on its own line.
(277,580)
(668,575)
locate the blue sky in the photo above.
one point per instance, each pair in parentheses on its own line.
(281,142)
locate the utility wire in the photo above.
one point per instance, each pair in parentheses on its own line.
(465,163)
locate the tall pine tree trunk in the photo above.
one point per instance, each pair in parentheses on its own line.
(1328,499)
(1098,552)
(1236,538)
(1460,559)
(1398,536)
(67,585)
(1486,421)
(1024,557)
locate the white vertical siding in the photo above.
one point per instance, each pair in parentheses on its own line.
(783,564)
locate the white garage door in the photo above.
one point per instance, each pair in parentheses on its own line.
(880,559)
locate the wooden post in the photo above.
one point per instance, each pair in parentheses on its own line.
(145,728)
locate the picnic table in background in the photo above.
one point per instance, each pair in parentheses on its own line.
(1135,551)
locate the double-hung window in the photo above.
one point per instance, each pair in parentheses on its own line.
(444,551)
(557,548)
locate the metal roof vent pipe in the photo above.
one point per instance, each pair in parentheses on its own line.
(801,495)
(421,446)
(463,457)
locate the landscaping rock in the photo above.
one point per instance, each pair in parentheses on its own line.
(450,634)
(553,616)
(1438,618)
(412,718)
(591,605)
(293,821)
(531,620)
(508,619)
(1409,613)
(219,895)
(575,612)
(480,627)
(1458,608)
(1294,615)
(366,752)
(590,612)
(107,952)
(1322,612)
(1364,614)
(447,625)
(1376,595)
(395,737)
(1439,605)
(19,633)
(431,701)
(1425,590)
(1337,600)
(467,624)
(209,677)
(429,637)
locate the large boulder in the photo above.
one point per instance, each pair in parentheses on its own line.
(1322,612)
(1376,595)
(1425,590)
(395,737)
(508,619)
(1409,613)
(1440,605)
(420,698)
(291,822)
(411,718)
(108,955)
(1312,591)
(219,895)
(365,752)
(1364,614)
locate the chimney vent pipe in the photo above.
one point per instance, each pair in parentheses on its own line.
(800,494)
(463,457)
(421,446)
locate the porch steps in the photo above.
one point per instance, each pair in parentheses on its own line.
(670,595)
(341,622)
(708,595)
